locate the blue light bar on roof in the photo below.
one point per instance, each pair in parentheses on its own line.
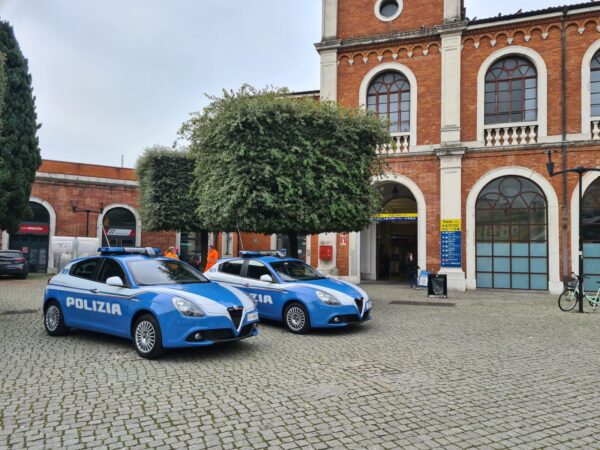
(255,254)
(148,251)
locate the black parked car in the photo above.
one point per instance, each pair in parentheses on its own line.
(13,262)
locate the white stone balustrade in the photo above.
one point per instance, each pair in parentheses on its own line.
(400,143)
(513,134)
(595,127)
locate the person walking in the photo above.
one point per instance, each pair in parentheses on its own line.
(212,257)
(171,253)
(411,270)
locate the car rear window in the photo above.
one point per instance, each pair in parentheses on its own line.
(85,269)
(232,267)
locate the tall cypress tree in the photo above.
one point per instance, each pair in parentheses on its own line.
(19,151)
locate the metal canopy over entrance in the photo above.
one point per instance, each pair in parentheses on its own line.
(33,238)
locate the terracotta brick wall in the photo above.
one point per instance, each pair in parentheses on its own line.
(89,170)
(549,49)
(357,18)
(424,62)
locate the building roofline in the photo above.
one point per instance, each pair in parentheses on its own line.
(490,21)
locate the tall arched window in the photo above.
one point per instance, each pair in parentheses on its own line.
(512,235)
(389,96)
(595,85)
(511,91)
(591,234)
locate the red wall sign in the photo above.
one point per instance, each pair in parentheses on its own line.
(33,229)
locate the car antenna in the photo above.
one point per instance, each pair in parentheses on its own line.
(241,243)
(106,236)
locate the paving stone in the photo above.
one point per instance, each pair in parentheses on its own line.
(498,370)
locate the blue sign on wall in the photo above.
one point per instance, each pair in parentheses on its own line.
(451,248)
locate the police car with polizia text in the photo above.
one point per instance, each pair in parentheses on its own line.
(289,290)
(157,302)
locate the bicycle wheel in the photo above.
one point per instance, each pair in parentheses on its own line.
(567,300)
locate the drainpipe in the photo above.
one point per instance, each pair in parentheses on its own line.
(564,217)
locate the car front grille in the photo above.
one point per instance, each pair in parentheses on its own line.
(236,315)
(359,304)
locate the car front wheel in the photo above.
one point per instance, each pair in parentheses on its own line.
(147,337)
(296,318)
(54,321)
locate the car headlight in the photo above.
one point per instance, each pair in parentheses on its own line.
(328,299)
(187,307)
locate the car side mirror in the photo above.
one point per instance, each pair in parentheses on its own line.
(266,278)
(115,281)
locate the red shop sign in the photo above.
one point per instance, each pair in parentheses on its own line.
(33,229)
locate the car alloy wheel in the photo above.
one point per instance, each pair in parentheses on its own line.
(54,321)
(296,318)
(52,318)
(145,336)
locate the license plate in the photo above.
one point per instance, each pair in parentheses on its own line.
(252,317)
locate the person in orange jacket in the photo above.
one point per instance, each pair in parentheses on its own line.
(170,253)
(212,257)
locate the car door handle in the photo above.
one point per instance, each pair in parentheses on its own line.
(247,284)
(95,291)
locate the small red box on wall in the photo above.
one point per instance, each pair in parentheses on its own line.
(326,252)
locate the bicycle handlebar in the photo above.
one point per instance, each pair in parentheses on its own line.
(579,277)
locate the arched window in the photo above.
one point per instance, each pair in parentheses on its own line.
(511,91)
(512,235)
(595,85)
(119,228)
(591,234)
(389,96)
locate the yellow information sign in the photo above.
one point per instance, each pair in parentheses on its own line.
(451,225)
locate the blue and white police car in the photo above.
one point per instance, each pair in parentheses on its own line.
(157,302)
(289,290)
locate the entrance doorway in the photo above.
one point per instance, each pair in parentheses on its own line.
(391,237)
(33,239)
(119,228)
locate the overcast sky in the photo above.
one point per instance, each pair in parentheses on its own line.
(112,77)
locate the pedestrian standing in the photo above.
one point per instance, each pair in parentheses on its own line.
(212,257)
(411,269)
(171,253)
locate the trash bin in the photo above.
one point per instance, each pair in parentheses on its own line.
(437,285)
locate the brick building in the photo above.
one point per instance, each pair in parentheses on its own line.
(79,207)
(472,106)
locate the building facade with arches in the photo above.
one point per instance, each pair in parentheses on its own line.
(61,229)
(472,107)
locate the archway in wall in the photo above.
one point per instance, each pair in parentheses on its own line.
(511,223)
(33,238)
(591,235)
(392,235)
(119,227)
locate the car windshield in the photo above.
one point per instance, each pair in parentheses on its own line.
(295,271)
(151,272)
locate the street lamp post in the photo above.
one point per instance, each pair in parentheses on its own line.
(87,212)
(579,170)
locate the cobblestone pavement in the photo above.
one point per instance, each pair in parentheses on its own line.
(497,370)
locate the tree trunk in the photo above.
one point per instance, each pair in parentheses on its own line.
(293,237)
(204,251)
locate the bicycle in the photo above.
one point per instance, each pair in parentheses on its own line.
(570,296)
